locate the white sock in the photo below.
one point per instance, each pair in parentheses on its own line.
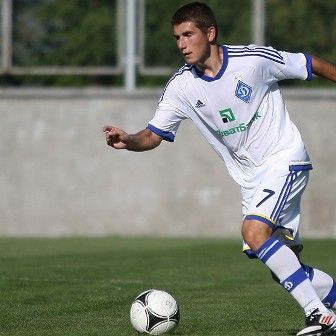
(282,261)
(323,284)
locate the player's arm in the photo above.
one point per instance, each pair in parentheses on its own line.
(323,69)
(141,141)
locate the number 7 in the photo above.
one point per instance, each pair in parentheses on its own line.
(270,194)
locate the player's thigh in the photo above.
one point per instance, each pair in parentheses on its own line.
(277,199)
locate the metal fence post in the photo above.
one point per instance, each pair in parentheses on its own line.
(258,22)
(6,35)
(130,59)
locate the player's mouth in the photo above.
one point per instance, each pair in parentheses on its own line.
(187,55)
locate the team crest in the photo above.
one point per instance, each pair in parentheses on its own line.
(243,91)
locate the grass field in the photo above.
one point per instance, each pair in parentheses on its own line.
(85,286)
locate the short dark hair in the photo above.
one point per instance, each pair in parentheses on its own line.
(196,12)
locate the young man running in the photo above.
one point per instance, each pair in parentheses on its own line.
(232,96)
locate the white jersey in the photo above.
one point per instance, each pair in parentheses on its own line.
(240,112)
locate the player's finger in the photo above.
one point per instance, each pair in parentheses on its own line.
(108,128)
(112,136)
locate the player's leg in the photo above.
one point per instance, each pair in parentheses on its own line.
(322,282)
(282,261)
(277,203)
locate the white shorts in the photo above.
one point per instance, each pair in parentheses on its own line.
(276,201)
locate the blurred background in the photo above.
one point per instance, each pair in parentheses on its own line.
(70,67)
(96,42)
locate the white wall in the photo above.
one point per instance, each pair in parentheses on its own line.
(59,178)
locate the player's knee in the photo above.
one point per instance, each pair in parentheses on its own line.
(255,233)
(248,235)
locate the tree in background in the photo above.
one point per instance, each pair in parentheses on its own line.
(83,33)
(64,33)
(302,26)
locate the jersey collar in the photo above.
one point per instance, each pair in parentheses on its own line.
(220,73)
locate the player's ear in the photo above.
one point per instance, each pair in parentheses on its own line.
(212,34)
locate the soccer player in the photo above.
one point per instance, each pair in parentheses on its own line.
(232,96)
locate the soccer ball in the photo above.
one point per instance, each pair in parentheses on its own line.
(154,312)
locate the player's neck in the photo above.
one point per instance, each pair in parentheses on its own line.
(212,65)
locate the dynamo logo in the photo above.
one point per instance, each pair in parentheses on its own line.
(288,285)
(243,91)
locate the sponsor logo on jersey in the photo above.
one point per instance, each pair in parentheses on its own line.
(227,115)
(243,91)
(238,129)
(255,117)
(199,104)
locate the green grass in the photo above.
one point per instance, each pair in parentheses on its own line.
(85,286)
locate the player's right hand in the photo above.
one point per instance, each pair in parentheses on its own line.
(115,137)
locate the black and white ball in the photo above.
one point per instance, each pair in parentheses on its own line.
(154,312)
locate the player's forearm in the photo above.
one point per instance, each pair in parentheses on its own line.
(143,141)
(324,69)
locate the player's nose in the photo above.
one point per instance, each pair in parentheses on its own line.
(181,44)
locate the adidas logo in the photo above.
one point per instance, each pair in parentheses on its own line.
(199,104)
(326,319)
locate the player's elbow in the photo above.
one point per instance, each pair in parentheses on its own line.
(155,140)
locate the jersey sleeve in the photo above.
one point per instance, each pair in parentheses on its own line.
(280,65)
(168,115)
(297,66)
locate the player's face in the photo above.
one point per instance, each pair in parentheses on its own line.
(193,44)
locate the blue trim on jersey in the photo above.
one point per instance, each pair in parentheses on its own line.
(220,72)
(260,50)
(259,55)
(300,167)
(260,219)
(168,136)
(270,51)
(294,280)
(186,67)
(269,248)
(309,66)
